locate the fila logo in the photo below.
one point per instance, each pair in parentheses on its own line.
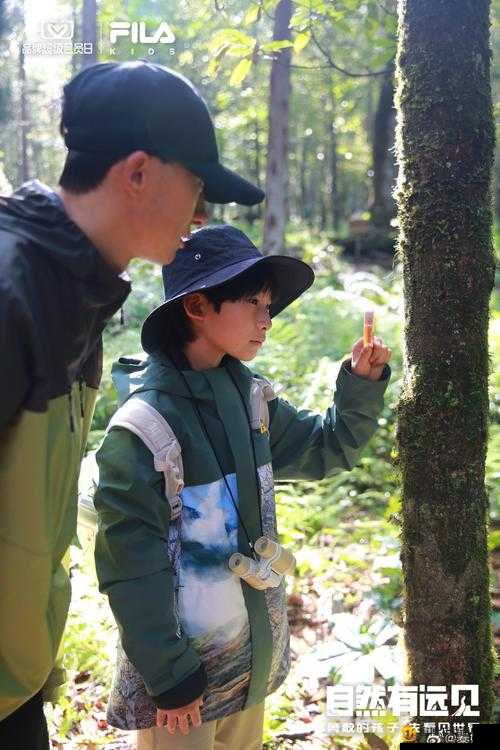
(136,31)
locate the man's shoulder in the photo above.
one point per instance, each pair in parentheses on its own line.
(21,268)
(16,281)
(13,256)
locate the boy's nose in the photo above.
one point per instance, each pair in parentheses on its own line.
(266,322)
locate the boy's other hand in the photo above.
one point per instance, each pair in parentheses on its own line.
(369,361)
(180,716)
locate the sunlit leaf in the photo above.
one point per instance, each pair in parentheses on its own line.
(301,41)
(252,15)
(231,37)
(276,46)
(240,72)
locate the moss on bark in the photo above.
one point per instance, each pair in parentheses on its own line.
(445,141)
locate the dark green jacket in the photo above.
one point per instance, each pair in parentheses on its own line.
(233,641)
(56,295)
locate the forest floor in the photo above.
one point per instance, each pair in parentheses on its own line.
(331,608)
(338,617)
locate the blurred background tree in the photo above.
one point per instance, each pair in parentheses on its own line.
(336,130)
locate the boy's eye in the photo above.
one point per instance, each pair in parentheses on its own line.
(255,301)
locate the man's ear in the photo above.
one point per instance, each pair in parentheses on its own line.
(195,306)
(134,171)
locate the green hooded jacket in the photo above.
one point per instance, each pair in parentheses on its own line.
(56,295)
(188,625)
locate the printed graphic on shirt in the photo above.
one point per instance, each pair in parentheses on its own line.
(211,607)
(209,536)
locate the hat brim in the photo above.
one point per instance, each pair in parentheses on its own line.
(224,186)
(293,277)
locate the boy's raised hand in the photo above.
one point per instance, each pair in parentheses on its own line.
(180,716)
(369,361)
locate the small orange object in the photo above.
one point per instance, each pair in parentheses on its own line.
(368,328)
(409,733)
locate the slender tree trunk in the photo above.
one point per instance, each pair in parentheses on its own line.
(257,164)
(2,16)
(322,207)
(334,165)
(24,172)
(303,172)
(89,31)
(277,150)
(370,110)
(383,207)
(445,142)
(76,17)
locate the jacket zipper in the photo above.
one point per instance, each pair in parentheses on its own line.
(71,418)
(80,387)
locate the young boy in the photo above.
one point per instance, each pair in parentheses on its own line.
(200,647)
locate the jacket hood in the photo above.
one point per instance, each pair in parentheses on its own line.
(140,372)
(36,213)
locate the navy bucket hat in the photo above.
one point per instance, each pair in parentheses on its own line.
(212,256)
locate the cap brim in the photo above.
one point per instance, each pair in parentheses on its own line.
(293,277)
(224,186)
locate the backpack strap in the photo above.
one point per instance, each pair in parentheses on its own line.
(155,432)
(261,391)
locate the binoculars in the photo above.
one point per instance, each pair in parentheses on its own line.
(268,572)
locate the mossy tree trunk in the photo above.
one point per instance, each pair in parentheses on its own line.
(445,143)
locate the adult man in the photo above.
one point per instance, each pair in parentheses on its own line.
(141,158)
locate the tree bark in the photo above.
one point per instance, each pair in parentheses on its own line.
(334,165)
(3,87)
(24,166)
(277,150)
(257,164)
(383,207)
(89,31)
(445,141)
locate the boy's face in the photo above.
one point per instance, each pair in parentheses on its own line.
(240,327)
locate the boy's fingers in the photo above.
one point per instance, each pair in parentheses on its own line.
(380,356)
(171,723)
(365,353)
(184,724)
(195,718)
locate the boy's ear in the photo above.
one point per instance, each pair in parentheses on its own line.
(195,306)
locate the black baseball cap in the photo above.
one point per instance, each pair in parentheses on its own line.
(116,108)
(212,256)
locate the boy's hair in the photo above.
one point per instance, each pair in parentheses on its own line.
(179,330)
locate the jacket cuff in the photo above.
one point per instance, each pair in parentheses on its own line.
(183,693)
(384,378)
(361,394)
